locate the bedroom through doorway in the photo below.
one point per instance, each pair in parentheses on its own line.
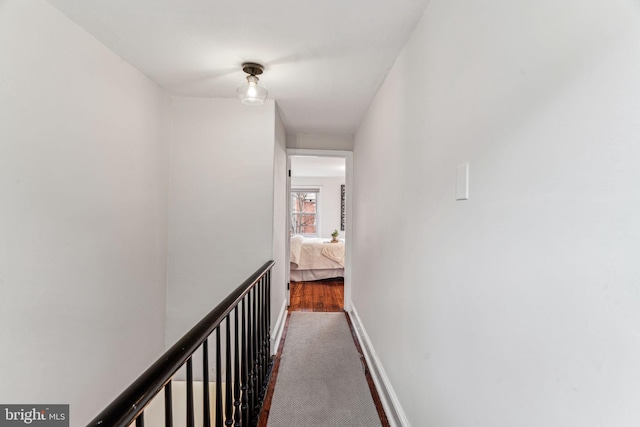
(318,244)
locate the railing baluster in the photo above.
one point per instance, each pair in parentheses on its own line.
(236,372)
(269,313)
(206,401)
(256,338)
(228,382)
(245,406)
(218,380)
(190,419)
(250,378)
(140,420)
(259,338)
(168,405)
(265,336)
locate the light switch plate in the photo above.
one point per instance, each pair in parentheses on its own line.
(462,182)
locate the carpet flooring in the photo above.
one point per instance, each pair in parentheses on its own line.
(321,380)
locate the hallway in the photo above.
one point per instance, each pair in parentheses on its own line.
(491,273)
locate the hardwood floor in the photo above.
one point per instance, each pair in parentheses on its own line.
(320,295)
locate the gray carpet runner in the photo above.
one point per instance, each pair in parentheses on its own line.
(321,379)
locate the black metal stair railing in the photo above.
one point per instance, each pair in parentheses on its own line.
(243,356)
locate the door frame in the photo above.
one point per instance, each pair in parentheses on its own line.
(348,157)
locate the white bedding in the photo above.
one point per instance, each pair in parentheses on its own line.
(313,258)
(295,248)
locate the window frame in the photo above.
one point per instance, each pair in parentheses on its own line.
(307,189)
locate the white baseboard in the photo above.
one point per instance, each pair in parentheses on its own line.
(390,402)
(278,328)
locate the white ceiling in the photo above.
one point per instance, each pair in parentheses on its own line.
(325,167)
(324,59)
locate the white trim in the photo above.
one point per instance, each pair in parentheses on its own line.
(348,158)
(390,402)
(278,328)
(310,188)
(287,236)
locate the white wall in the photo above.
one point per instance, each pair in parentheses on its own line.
(82,214)
(329,202)
(316,141)
(220,203)
(520,306)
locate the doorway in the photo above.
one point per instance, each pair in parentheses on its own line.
(319,184)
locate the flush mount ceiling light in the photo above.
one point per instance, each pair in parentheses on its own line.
(253,92)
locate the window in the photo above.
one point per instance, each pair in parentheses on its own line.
(304,211)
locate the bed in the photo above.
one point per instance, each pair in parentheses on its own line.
(315,258)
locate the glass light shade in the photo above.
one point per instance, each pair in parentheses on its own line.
(254,92)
